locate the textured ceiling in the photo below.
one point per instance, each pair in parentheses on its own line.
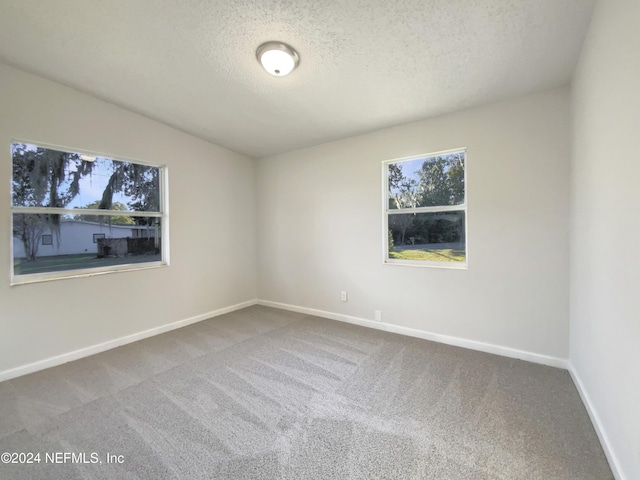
(365,64)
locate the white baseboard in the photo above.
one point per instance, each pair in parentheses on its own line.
(435,337)
(597,425)
(101,347)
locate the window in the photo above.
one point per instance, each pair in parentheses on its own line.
(425,210)
(88,208)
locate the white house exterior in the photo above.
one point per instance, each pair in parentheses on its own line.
(81,237)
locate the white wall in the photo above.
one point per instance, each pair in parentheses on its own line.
(42,320)
(605,232)
(320,227)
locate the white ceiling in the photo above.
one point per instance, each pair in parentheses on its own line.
(365,64)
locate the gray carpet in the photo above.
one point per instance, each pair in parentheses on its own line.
(264,393)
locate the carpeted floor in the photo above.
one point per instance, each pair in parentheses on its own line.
(270,394)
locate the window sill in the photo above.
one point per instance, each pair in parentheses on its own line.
(88,272)
(427,264)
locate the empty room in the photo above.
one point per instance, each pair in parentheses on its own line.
(319,240)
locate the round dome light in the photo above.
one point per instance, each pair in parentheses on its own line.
(277,58)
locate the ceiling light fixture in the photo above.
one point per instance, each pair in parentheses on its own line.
(277,58)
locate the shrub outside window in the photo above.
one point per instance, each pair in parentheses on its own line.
(424,221)
(100,214)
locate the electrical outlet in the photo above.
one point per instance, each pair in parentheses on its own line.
(378,315)
(343,296)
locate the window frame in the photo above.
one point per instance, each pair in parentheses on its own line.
(163,214)
(386,211)
(49,239)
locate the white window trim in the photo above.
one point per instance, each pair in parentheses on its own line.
(163,177)
(386,211)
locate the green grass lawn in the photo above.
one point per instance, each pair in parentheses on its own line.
(435,255)
(74,262)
